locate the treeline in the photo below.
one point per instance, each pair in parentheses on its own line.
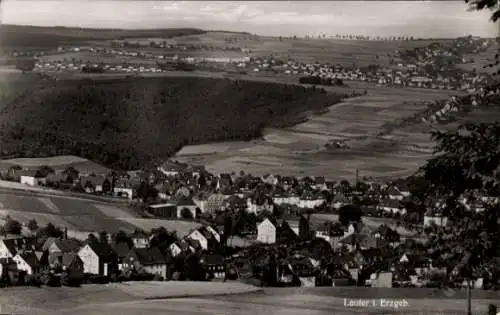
(320,81)
(126,123)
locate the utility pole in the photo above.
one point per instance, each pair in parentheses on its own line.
(469,297)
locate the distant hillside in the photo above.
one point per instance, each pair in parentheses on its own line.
(17,36)
(126,123)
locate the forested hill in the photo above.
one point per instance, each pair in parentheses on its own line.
(126,123)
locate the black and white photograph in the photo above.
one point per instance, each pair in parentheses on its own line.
(249,157)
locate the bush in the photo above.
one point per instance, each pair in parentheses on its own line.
(158,278)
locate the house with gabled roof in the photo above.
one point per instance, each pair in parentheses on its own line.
(32,178)
(8,248)
(394,193)
(433,216)
(186,203)
(206,237)
(140,238)
(27,262)
(150,260)
(98,258)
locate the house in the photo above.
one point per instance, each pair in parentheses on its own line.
(381,280)
(259,204)
(186,203)
(122,250)
(150,260)
(320,183)
(164,210)
(215,265)
(95,184)
(206,237)
(270,231)
(27,262)
(68,261)
(433,217)
(391,206)
(58,246)
(266,232)
(8,248)
(394,193)
(215,203)
(140,239)
(125,188)
(32,178)
(170,169)
(98,258)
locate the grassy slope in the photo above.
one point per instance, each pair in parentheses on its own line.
(125,123)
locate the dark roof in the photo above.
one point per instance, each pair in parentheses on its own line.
(104,251)
(11,246)
(122,249)
(30,258)
(149,256)
(186,201)
(214,259)
(68,246)
(206,233)
(195,243)
(94,180)
(69,258)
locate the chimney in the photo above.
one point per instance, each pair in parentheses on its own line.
(65,233)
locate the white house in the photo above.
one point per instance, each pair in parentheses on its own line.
(254,207)
(32,178)
(198,236)
(7,248)
(186,203)
(27,262)
(435,219)
(266,232)
(94,259)
(290,200)
(310,203)
(175,249)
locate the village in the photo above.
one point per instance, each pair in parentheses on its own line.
(432,67)
(269,231)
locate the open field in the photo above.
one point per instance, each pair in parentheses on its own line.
(125,299)
(58,163)
(299,150)
(80,215)
(334,51)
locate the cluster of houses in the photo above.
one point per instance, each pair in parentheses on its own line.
(108,258)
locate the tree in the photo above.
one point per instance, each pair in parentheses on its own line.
(46,170)
(146,192)
(122,237)
(103,237)
(12,226)
(350,213)
(50,230)
(33,225)
(186,214)
(72,174)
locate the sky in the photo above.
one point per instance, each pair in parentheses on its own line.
(275,18)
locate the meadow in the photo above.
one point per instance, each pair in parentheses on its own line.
(333,51)
(300,150)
